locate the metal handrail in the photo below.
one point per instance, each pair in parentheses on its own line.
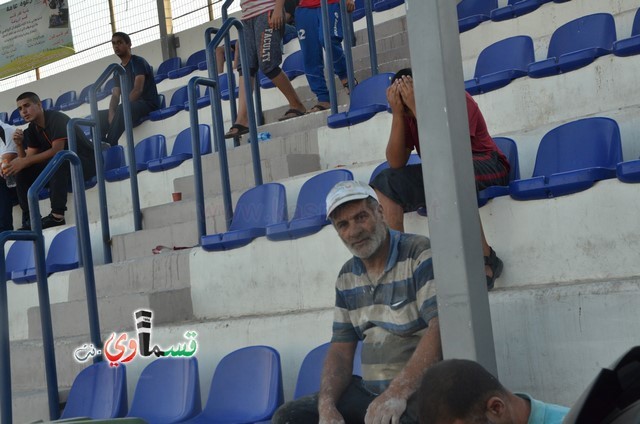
(208,35)
(35,235)
(328,55)
(371,34)
(118,71)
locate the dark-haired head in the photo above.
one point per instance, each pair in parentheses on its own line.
(29,95)
(122,35)
(401,73)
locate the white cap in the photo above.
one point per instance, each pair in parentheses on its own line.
(347,191)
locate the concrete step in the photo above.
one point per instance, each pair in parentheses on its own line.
(116,312)
(29,406)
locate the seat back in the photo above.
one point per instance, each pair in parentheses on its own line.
(509,148)
(196,58)
(170,64)
(19,257)
(468,8)
(311,370)
(246,386)
(47,103)
(15,118)
(294,64)
(63,252)
(182,144)
(313,193)
(597,30)
(260,206)
(84,94)
(168,390)
(99,392)
(64,98)
(513,53)
(4,117)
(372,91)
(151,148)
(414,159)
(113,158)
(585,143)
(179,97)
(635,29)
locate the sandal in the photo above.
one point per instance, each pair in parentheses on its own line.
(239,130)
(291,113)
(496,265)
(346,85)
(317,108)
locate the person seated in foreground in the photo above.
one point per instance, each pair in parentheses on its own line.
(400,188)
(459,391)
(385,297)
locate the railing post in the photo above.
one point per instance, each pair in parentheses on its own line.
(371,34)
(6,408)
(328,54)
(346,34)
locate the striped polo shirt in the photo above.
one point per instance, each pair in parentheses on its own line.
(253,8)
(389,315)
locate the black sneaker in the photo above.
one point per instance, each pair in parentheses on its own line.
(25,227)
(51,221)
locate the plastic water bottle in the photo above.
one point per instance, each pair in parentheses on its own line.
(9,179)
(264,136)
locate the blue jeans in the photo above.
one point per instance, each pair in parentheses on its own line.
(309,24)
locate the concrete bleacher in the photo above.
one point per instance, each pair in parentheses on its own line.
(560,311)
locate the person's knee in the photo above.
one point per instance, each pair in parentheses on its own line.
(271,73)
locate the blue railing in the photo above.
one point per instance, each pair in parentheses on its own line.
(35,235)
(117,71)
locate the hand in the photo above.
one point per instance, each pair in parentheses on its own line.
(276,19)
(18,137)
(15,166)
(385,409)
(329,414)
(394,99)
(405,85)
(351,5)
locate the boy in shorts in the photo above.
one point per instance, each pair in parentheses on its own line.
(264,23)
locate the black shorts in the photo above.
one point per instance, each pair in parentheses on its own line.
(405,186)
(264,46)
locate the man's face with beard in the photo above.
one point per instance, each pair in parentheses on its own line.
(361,228)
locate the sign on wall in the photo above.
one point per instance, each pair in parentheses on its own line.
(33,33)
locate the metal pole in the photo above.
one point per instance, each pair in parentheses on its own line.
(371,33)
(328,56)
(346,33)
(454,224)
(6,411)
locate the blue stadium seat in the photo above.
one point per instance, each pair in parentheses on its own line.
(359,11)
(246,388)
(510,150)
(368,98)
(629,172)
(292,66)
(19,257)
(47,104)
(4,117)
(500,63)
(629,46)
(311,370)
(168,391)
(66,100)
(223,80)
(182,150)
(414,159)
(106,90)
(203,99)
(515,8)
(98,392)
(577,44)
(113,158)
(382,5)
(571,158)
(167,66)
(82,98)
(190,66)
(310,215)
(256,209)
(178,100)
(63,252)
(15,118)
(472,13)
(148,149)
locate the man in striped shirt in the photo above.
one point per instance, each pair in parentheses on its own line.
(385,297)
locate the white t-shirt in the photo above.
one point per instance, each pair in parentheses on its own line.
(7,145)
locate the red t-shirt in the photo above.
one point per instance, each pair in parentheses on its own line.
(314,3)
(481,141)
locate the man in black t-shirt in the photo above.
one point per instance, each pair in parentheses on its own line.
(143,93)
(45,136)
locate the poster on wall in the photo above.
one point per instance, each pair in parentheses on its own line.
(33,33)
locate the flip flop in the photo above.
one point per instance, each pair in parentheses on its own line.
(317,108)
(291,113)
(239,130)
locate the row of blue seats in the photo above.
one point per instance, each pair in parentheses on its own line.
(472,13)
(62,256)
(572,46)
(246,388)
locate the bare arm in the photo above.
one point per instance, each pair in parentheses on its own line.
(113,103)
(276,19)
(136,91)
(397,152)
(336,375)
(391,404)
(18,140)
(34,156)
